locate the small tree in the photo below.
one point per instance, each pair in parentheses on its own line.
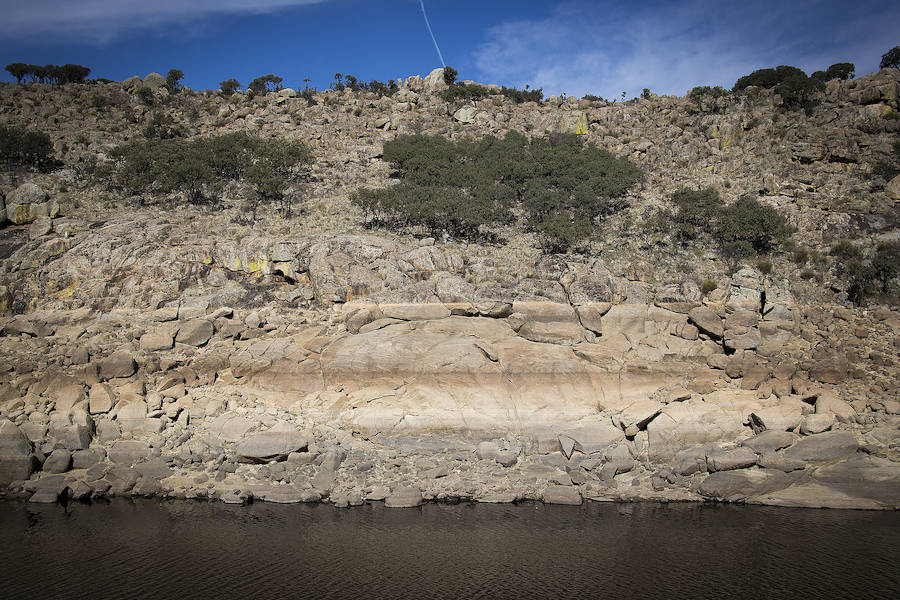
(338,84)
(450,75)
(18,70)
(891,58)
(173,80)
(265,84)
(229,86)
(842,71)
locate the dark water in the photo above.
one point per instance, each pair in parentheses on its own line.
(152,549)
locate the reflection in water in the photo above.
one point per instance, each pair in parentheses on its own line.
(150,549)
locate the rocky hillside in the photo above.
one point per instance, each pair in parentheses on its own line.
(158,346)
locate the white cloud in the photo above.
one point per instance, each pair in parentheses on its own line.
(104,20)
(605,48)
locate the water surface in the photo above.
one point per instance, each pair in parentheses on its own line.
(152,549)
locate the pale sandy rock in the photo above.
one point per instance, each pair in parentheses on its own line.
(434,81)
(816,423)
(196,332)
(728,460)
(230,427)
(829,403)
(707,321)
(118,364)
(403,497)
(274,444)
(101,399)
(561,494)
(590,315)
(739,485)
(415,312)
(16,457)
(823,447)
(769,441)
(156,341)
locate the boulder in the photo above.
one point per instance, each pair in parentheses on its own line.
(48,490)
(28,202)
(728,460)
(154,81)
(131,83)
(154,342)
(101,399)
(59,461)
(403,497)
(828,446)
(562,494)
(595,437)
(129,452)
(487,451)
(816,423)
(274,444)
(892,188)
(119,364)
(829,371)
(16,456)
(466,114)
(195,332)
(769,441)
(707,321)
(828,403)
(434,82)
(735,486)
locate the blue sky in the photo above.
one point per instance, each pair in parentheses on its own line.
(571,46)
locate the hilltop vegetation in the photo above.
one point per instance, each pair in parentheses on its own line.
(560,185)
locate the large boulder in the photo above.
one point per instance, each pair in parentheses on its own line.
(154,81)
(195,332)
(828,446)
(403,497)
(707,321)
(434,82)
(16,456)
(118,364)
(562,494)
(274,444)
(129,452)
(28,202)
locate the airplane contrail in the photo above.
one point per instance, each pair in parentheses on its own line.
(431,33)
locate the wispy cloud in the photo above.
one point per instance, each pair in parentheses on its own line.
(605,48)
(104,20)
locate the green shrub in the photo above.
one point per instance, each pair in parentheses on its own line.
(163,126)
(474,91)
(800,256)
(695,209)
(379,88)
(708,285)
(890,59)
(846,250)
(748,227)
(842,71)
(807,274)
(173,80)
(265,84)
(145,95)
(21,147)
(792,84)
(55,74)
(229,86)
(201,166)
(764,266)
(559,184)
(450,75)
